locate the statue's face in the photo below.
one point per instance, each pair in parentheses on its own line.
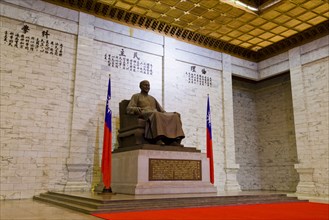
(145,86)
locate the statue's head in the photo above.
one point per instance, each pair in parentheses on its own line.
(144,86)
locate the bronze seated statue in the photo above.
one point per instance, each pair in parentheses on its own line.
(143,120)
(132,128)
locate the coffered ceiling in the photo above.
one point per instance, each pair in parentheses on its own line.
(250,29)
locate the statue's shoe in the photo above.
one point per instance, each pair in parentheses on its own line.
(159,142)
(175,144)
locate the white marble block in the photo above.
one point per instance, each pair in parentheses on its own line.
(130,173)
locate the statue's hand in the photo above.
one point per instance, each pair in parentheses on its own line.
(138,111)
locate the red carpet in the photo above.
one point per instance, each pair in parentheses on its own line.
(277,211)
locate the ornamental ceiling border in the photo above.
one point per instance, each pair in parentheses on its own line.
(132,19)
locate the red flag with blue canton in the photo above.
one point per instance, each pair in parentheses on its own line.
(209,143)
(107,142)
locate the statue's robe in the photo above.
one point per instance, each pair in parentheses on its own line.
(159,123)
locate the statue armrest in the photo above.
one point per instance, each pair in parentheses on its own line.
(128,121)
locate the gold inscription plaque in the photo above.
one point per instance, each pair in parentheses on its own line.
(166,169)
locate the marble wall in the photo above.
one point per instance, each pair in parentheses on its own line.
(54,127)
(36,109)
(309,73)
(310,90)
(55,66)
(264,134)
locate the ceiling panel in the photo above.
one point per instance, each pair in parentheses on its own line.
(253,29)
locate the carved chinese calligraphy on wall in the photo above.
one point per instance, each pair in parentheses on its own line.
(198,77)
(133,64)
(174,170)
(21,40)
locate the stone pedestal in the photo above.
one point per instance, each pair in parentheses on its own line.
(76,178)
(306,183)
(160,170)
(231,183)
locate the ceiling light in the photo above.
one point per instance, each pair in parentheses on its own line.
(244,5)
(261,8)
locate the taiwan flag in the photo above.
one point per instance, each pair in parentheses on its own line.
(107,142)
(209,143)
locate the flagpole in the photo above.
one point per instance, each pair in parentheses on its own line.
(107,144)
(209,142)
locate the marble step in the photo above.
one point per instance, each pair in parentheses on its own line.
(96,205)
(94,202)
(193,204)
(75,207)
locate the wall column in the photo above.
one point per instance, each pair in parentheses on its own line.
(304,167)
(231,167)
(78,161)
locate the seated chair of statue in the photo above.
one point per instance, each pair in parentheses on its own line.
(132,127)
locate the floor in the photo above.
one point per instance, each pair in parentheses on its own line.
(29,209)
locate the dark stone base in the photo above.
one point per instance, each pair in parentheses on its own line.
(157,147)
